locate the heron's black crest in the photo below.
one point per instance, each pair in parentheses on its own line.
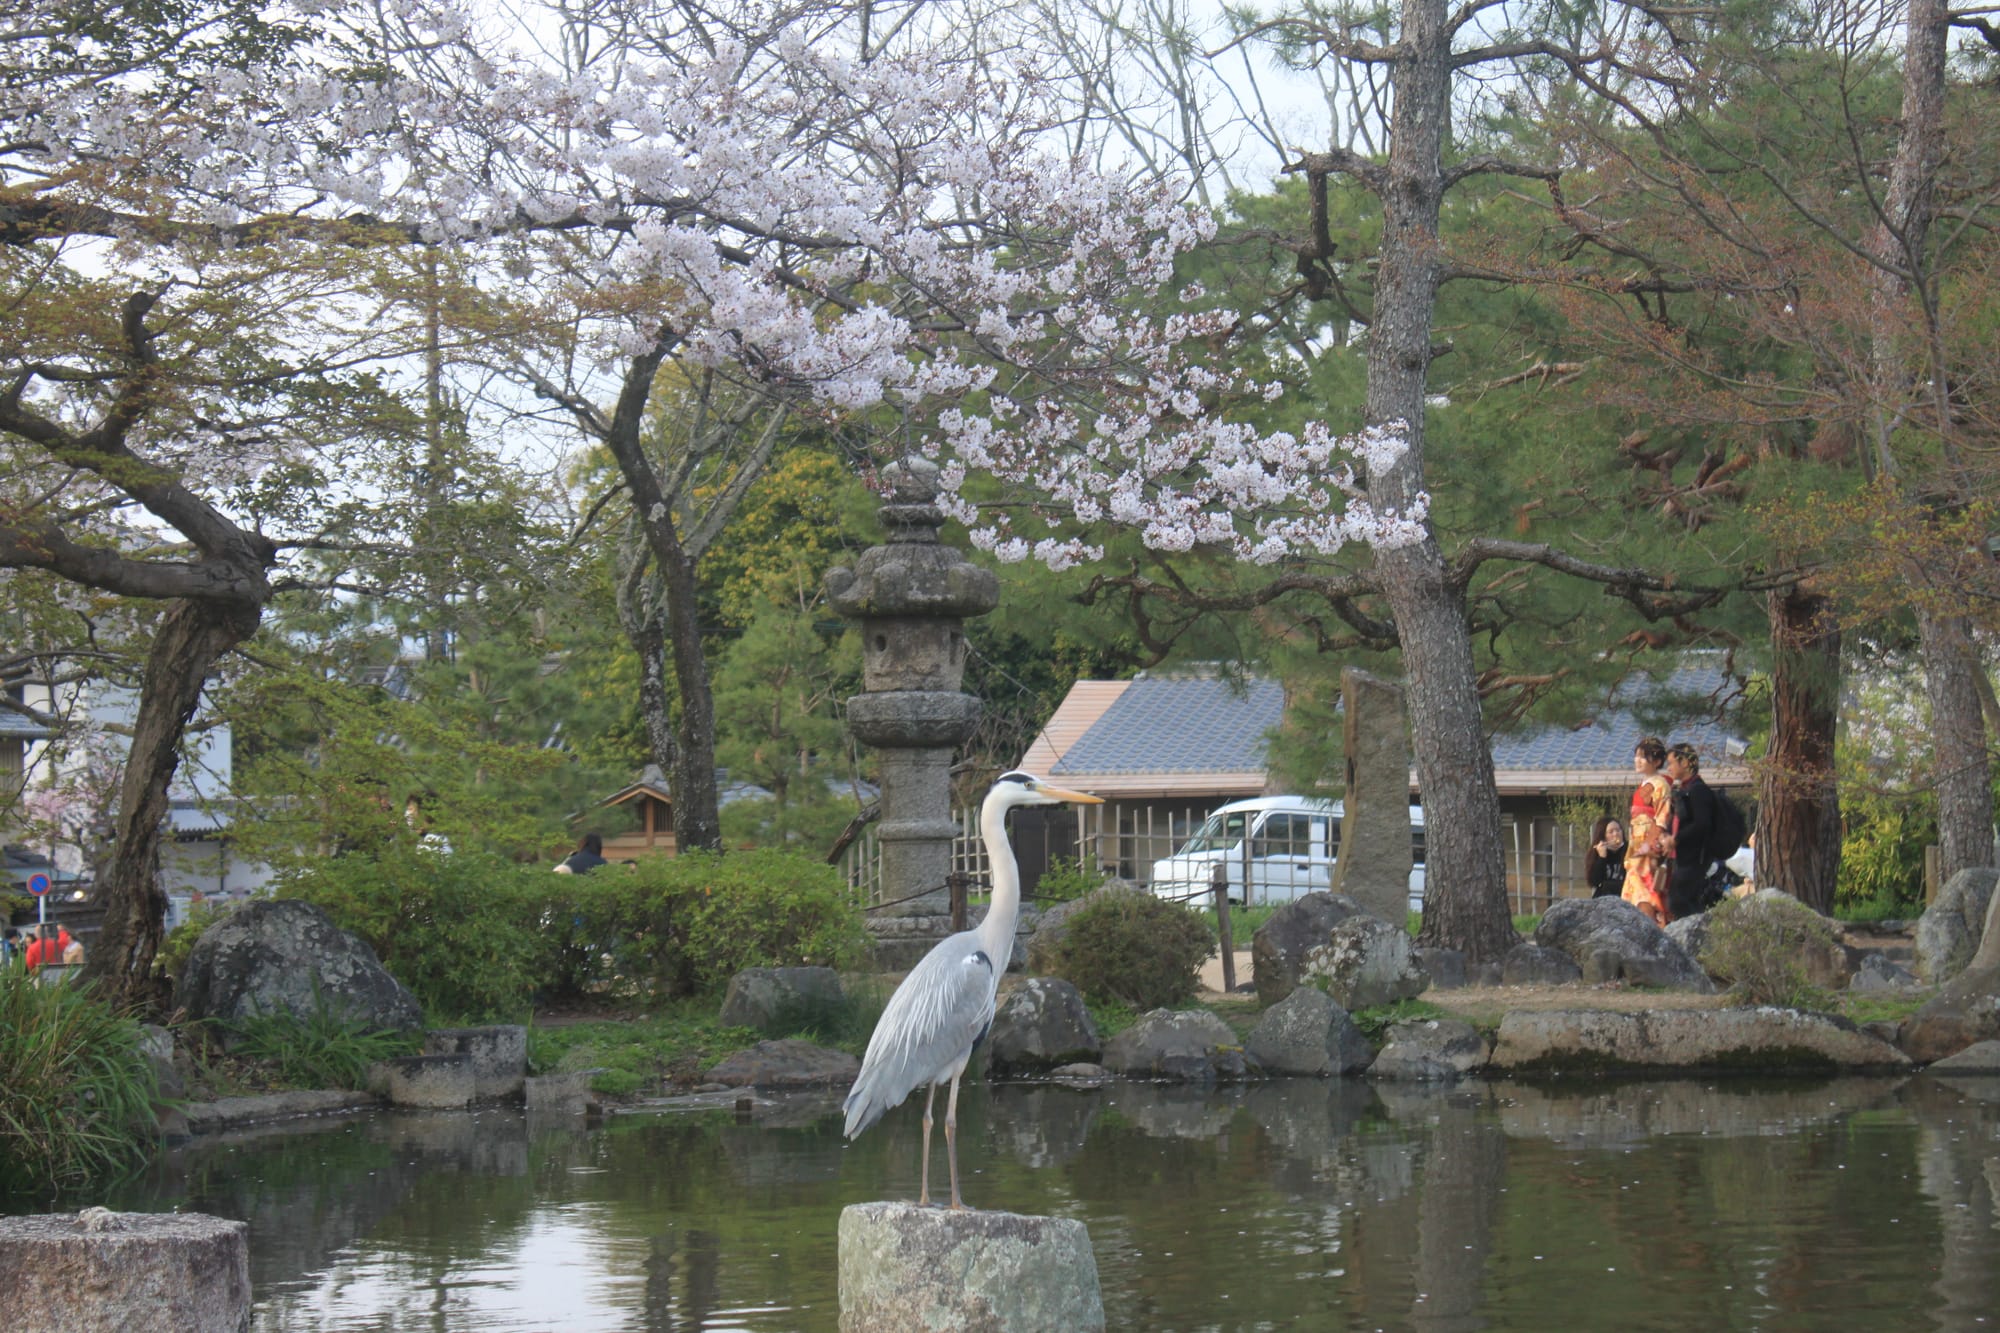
(1016,776)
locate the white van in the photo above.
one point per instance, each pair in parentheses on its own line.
(1286,845)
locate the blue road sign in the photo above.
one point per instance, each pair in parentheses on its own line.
(38,884)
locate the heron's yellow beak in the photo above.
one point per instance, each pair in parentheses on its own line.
(1075,797)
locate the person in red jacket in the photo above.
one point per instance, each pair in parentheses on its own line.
(48,946)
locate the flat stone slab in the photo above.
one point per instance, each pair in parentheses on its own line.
(234,1112)
(905,1269)
(430,1082)
(103,1272)
(787,1063)
(499,1056)
(1760,1039)
(1981,1057)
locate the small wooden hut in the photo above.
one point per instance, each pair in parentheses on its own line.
(652,807)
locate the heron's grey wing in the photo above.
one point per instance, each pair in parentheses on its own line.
(930,1024)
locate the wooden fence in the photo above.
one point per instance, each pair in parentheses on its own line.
(1544,859)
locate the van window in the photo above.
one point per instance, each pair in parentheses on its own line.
(1219,832)
(1284,835)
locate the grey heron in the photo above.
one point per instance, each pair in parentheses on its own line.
(942,1009)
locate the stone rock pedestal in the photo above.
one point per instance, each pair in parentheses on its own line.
(910,597)
(1373,867)
(105,1272)
(427,1082)
(908,1268)
(499,1056)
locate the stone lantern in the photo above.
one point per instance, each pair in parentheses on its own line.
(911,596)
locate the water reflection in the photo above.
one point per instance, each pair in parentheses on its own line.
(1841,1204)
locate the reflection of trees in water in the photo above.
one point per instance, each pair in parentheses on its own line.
(1958,1162)
(1040,1126)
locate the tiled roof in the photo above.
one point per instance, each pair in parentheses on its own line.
(1198,725)
(1207,734)
(1604,745)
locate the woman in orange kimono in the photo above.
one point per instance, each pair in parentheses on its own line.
(1645,852)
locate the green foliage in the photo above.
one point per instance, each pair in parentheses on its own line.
(1134,948)
(478,937)
(172,955)
(720,914)
(465,931)
(1375,1023)
(321,1050)
(1244,922)
(1882,854)
(1067,879)
(679,1042)
(1758,949)
(75,1092)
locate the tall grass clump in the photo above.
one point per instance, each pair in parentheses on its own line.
(317,1050)
(76,1092)
(1763,952)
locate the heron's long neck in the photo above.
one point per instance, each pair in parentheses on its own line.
(996,932)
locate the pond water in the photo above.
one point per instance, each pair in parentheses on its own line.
(1850,1204)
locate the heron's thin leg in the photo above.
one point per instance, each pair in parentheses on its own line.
(924,1190)
(951,1139)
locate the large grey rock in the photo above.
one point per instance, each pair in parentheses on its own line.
(1879,975)
(499,1056)
(1445,967)
(1307,1033)
(1053,924)
(1965,1011)
(905,1269)
(765,997)
(283,956)
(1981,1058)
(1581,927)
(1040,1026)
(1537,965)
(1278,948)
(1187,1046)
(565,1093)
(1365,962)
(1787,927)
(787,1063)
(1951,928)
(1761,1039)
(103,1272)
(1432,1050)
(1373,867)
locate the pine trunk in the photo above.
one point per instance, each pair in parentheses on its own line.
(1465,905)
(1798,802)
(192,637)
(1961,766)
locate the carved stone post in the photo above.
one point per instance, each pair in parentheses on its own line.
(911,595)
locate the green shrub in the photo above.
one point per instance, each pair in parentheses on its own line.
(76,1093)
(1882,855)
(478,937)
(1135,949)
(1760,950)
(1065,880)
(322,1050)
(463,931)
(712,916)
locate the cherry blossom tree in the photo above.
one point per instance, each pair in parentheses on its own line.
(830,205)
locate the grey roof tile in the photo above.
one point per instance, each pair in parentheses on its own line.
(1200,725)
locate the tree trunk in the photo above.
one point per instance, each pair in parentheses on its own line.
(1798,803)
(1961,769)
(696,821)
(192,637)
(1465,903)
(1897,245)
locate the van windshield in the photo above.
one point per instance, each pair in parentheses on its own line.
(1219,832)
